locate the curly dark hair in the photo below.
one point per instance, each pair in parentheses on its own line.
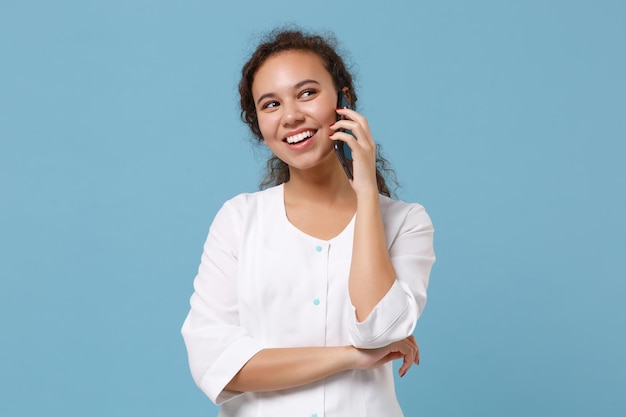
(325,47)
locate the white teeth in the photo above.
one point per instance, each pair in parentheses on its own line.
(300,137)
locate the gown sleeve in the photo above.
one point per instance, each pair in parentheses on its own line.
(217,346)
(409,233)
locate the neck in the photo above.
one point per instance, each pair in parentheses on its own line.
(320,186)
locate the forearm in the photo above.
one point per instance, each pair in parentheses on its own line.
(282,368)
(371,272)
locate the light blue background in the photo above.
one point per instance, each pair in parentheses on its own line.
(120,138)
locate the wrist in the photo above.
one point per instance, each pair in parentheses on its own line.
(348,358)
(370,196)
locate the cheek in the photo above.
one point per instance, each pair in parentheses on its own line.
(329,117)
(326,112)
(266,125)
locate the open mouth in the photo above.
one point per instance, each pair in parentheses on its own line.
(300,137)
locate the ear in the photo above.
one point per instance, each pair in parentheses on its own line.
(346,91)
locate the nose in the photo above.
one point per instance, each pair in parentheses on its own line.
(291,114)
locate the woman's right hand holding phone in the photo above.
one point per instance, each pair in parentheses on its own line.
(363,149)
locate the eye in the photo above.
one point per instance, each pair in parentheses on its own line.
(308,93)
(269,105)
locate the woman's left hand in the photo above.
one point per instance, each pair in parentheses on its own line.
(363,149)
(406,349)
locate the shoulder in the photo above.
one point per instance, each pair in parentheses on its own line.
(398,212)
(236,214)
(242,204)
(246,199)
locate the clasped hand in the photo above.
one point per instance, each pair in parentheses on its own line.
(406,349)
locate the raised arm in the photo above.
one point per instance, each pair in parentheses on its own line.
(392,251)
(371,273)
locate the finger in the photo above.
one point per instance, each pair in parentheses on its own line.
(387,358)
(409,349)
(365,150)
(363,135)
(355,122)
(417,349)
(344,136)
(360,150)
(353,115)
(406,365)
(417,355)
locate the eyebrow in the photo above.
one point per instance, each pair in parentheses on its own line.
(297,86)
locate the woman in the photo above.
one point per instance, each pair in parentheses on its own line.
(308,289)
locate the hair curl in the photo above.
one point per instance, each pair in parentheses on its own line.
(325,47)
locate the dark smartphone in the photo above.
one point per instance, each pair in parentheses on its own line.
(343,151)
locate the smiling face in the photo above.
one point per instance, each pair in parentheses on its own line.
(295,100)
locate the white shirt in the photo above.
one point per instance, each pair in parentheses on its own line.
(263,283)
